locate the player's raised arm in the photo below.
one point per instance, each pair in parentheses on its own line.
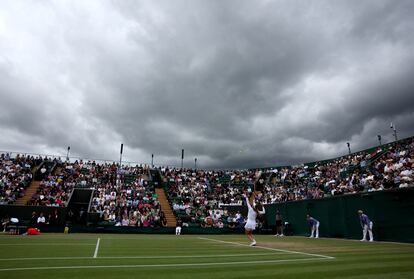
(261,209)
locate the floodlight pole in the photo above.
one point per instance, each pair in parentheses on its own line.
(394,131)
(152,160)
(120,155)
(182,158)
(349,147)
(379,139)
(195,163)
(67,154)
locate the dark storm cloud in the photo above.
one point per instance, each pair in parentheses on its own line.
(234,83)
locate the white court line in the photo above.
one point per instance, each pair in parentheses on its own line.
(45,258)
(357,240)
(381,242)
(43,244)
(268,248)
(145,257)
(96,248)
(154,265)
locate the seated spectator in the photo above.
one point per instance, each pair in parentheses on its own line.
(125,220)
(41,221)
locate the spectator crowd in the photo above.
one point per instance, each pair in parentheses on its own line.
(15,176)
(196,194)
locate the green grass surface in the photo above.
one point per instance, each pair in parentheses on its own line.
(189,256)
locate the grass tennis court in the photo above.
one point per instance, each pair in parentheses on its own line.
(204,256)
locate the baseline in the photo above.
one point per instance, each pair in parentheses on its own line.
(155,265)
(143,257)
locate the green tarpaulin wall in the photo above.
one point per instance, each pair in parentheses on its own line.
(392,213)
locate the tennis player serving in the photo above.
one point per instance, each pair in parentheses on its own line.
(253,211)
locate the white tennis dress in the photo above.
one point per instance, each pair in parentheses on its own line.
(251,216)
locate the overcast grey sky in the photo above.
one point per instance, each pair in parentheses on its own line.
(235,83)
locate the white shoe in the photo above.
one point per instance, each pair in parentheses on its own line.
(363,239)
(311,236)
(316,236)
(253,243)
(371,240)
(276,235)
(282,234)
